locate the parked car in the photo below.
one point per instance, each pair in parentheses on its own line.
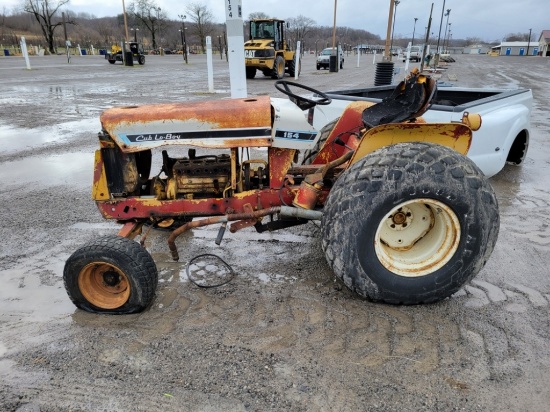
(323,60)
(415,54)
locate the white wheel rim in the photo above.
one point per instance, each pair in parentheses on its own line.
(417,237)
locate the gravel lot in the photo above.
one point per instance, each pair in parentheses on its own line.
(284,335)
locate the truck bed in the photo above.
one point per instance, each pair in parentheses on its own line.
(504,134)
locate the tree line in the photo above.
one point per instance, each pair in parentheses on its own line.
(49,23)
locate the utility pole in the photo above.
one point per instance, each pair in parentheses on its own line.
(387,54)
(528,42)
(426,44)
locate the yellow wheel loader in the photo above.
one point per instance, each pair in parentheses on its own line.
(267,50)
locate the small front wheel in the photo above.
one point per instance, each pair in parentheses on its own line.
(112,275)
(278,68)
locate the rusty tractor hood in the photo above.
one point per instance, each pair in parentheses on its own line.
(216,124)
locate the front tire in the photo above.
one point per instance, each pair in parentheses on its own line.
(250,72)
(278,68)
(141,60)
(421,220)
(112,275)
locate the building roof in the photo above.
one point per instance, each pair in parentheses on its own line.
(545,35)
(516,43)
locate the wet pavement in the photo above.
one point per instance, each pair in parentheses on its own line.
(283,334)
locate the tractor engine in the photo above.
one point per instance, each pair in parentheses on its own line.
(194,176)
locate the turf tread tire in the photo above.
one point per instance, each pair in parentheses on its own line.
(385,178)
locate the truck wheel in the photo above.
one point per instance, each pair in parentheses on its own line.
(111,274)
(278,68)
(420,220)
(141,59)
(318,67)
(112,61)
(309,155)
(250,72)
(342,64)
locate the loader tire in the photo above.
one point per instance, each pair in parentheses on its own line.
(420,220)
(112,274)
(309,155)
(111,61)
(250,72)
(278,68)
(292,67)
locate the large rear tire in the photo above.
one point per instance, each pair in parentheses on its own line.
(420,220)
(112,275)
(278,68)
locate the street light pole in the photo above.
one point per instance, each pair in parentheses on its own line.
(449,35)
(183,41)
(220,46)
(414,28)
(445,35)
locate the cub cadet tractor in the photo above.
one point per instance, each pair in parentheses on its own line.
(268,51)
(116,53)
(406,217)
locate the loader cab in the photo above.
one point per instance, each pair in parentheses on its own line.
(268,30)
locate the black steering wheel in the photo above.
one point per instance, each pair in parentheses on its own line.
(302,102)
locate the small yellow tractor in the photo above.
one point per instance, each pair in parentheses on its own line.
(267,50)
(116,54)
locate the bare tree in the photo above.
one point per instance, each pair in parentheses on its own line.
(299,27)
(46,14)
(150,17)
(202,16)
(517,37)
(258,15)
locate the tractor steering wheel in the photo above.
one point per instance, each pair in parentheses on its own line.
(302,102)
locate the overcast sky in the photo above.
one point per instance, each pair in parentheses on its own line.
(489,20)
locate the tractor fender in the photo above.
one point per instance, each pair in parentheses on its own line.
(457,136)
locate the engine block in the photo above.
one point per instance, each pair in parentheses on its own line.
(200,176)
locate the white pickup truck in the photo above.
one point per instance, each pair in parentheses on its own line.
(504,133)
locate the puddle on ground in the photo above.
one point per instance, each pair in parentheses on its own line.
(75,169)
(34,294)
(13,140)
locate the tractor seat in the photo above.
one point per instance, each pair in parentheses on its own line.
(409,100)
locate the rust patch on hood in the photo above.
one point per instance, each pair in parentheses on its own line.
(230,113)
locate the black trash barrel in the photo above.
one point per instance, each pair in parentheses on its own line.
(333,64)
(383,74)
(129,58)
